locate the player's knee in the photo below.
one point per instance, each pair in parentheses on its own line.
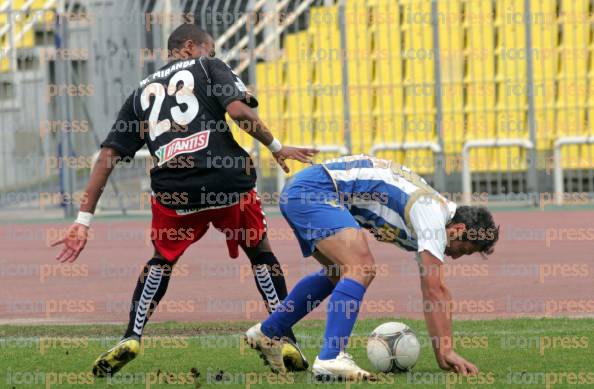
(160,258)
(164,265)
(369,271)
(263,258)
(268,259)
(365,269)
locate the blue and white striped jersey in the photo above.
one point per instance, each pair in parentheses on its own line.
(394,203)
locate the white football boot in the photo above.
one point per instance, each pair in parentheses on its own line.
(270,350)
(342,368)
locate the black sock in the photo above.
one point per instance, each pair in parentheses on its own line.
(270,281)
(150,288)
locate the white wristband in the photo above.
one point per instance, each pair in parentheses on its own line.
(84,218)
(275,146)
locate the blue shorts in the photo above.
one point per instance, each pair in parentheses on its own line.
(311,206)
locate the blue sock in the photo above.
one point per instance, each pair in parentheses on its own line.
(309,292)
(343,309)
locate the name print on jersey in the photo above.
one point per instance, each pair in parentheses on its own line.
(179,146)
(163,73)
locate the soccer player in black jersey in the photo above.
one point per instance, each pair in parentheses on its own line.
(178,112)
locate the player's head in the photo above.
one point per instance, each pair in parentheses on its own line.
(190,41)
(471,230)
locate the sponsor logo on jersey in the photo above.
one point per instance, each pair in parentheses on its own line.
(179,146)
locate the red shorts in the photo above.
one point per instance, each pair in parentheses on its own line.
(243,223)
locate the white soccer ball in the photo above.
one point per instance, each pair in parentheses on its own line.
(393,347)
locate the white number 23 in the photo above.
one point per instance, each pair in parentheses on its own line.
(185,95)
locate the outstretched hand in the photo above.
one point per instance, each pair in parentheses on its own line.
(74,242)
(301,154)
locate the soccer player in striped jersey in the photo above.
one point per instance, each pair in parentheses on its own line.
(327,206)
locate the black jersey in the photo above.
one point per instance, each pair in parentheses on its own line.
(179,113)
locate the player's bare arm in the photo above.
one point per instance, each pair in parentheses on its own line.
(76,237)
(249,121)
(437,302)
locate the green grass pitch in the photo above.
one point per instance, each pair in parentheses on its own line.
(515,353)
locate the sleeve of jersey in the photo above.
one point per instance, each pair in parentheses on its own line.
(125,135)
(428,219)
(227,87)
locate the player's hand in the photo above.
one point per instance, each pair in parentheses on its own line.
(74,242)
(453,361)
(301,154)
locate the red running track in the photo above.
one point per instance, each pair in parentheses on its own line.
(543,266)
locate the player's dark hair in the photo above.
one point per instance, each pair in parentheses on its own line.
(480,227)
(186,32)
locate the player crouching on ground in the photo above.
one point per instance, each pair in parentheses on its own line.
(326,205)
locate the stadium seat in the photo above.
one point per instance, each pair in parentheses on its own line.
(323,19)
(271,91)
(588,153)
(480,81)
(545,64)
(21,19)
(358,43)
(48,17)
(328,106)
(453,59)
(24,34)
(298,60)
(512,94)
(572,93)
(387,72)
(359,52)
(5,61)
(390,58)
(271,94)
(418,84)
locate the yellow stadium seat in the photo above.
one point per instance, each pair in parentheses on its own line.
(387,76)
(358,43)
(271,91)
(272,104)
(391,79)
(418,85)
(327,120)
(588,151)
(512,107)
(242,137)
(300,72)
(299,91)
(572,101)
(363,124)
(480,80)
(4,65)
(25,36)
(451,43)
(48,17)
(323,18)
(363,130)
(545,64)
(5,61)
